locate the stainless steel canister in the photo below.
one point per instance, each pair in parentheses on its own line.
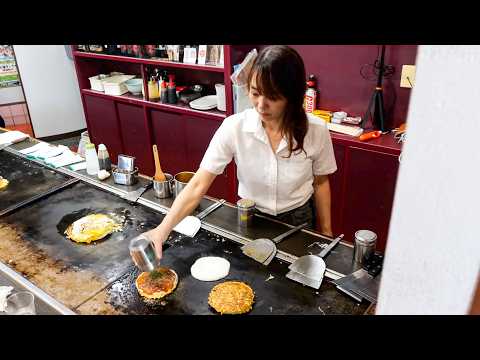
(365,241)
(163,189)
(143,253)
(246,209)
(181,180)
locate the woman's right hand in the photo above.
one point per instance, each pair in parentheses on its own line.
(158,238)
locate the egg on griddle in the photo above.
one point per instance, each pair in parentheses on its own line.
(156,284)
(3,183)
(91,228)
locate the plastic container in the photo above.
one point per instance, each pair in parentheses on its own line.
(220,90)
(84,139)
(338,117)
(104,161)
(92,159)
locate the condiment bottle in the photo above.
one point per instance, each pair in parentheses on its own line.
(311,95)
(172,90)
(163,92)
(246,209)
(92,159)
(153,89)
(103,158)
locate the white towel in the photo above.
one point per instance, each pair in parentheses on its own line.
(34,148)
(4,292)
(11,137)
(78,166)
(66,158)
(48,152)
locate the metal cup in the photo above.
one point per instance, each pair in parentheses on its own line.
(245,210)
(364,247)
(143,253)
(181,180)
(163,189)
(126,162)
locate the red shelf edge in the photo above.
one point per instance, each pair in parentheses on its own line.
(173,64)
(160,106)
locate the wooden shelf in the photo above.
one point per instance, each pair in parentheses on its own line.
(171,64)
(139,100)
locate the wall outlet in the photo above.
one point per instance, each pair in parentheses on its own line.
(408,73)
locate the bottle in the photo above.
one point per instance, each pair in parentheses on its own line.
(172,90)
(137,51)
(163,92)
(153,89)
(310,103)
(92,159)
(104,162)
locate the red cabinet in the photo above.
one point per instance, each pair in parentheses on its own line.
(362,192)
(337,188)
(199,132)
(136,136)
(103,124)
(169,134)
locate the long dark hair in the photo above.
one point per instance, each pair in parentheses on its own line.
(279,71)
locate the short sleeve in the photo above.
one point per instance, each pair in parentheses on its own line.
(220,150)
(324,158)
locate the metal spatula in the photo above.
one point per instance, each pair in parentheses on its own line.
(263,250)
(309,269)
(190,225)
(133,196)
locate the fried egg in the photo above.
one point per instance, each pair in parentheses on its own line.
(91,228)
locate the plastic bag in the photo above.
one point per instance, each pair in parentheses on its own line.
(240,75)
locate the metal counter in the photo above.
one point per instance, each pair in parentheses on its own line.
(97,278)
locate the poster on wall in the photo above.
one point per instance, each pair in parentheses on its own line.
(8,67)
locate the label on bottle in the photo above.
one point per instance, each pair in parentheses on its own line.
(310,100)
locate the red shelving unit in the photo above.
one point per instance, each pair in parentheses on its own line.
(134,60)
(134,117)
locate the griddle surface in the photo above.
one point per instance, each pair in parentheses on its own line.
(26,179)
(278,295)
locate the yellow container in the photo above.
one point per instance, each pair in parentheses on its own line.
(153,92)
(323,114)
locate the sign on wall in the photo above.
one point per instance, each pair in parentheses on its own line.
(8,67)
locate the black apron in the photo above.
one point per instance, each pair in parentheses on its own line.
(300,215)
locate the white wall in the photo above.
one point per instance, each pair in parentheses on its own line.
(433,253)
(11,94)
(51,89)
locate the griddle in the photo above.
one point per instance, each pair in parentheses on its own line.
(27,181)
(277,295)
(42,225)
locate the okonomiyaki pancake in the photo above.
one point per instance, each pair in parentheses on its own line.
(231,297)
(157,283)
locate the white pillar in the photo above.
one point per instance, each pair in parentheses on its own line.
(433,252)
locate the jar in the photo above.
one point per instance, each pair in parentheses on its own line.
(245,209)
(365,241)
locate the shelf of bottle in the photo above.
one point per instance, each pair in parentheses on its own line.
(165,63)
(176,108)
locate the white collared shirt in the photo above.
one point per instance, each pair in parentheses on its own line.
(276,183)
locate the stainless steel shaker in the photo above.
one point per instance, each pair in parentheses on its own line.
(142,251)
(365,242)
(246,209)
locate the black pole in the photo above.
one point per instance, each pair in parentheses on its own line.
(376,101)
